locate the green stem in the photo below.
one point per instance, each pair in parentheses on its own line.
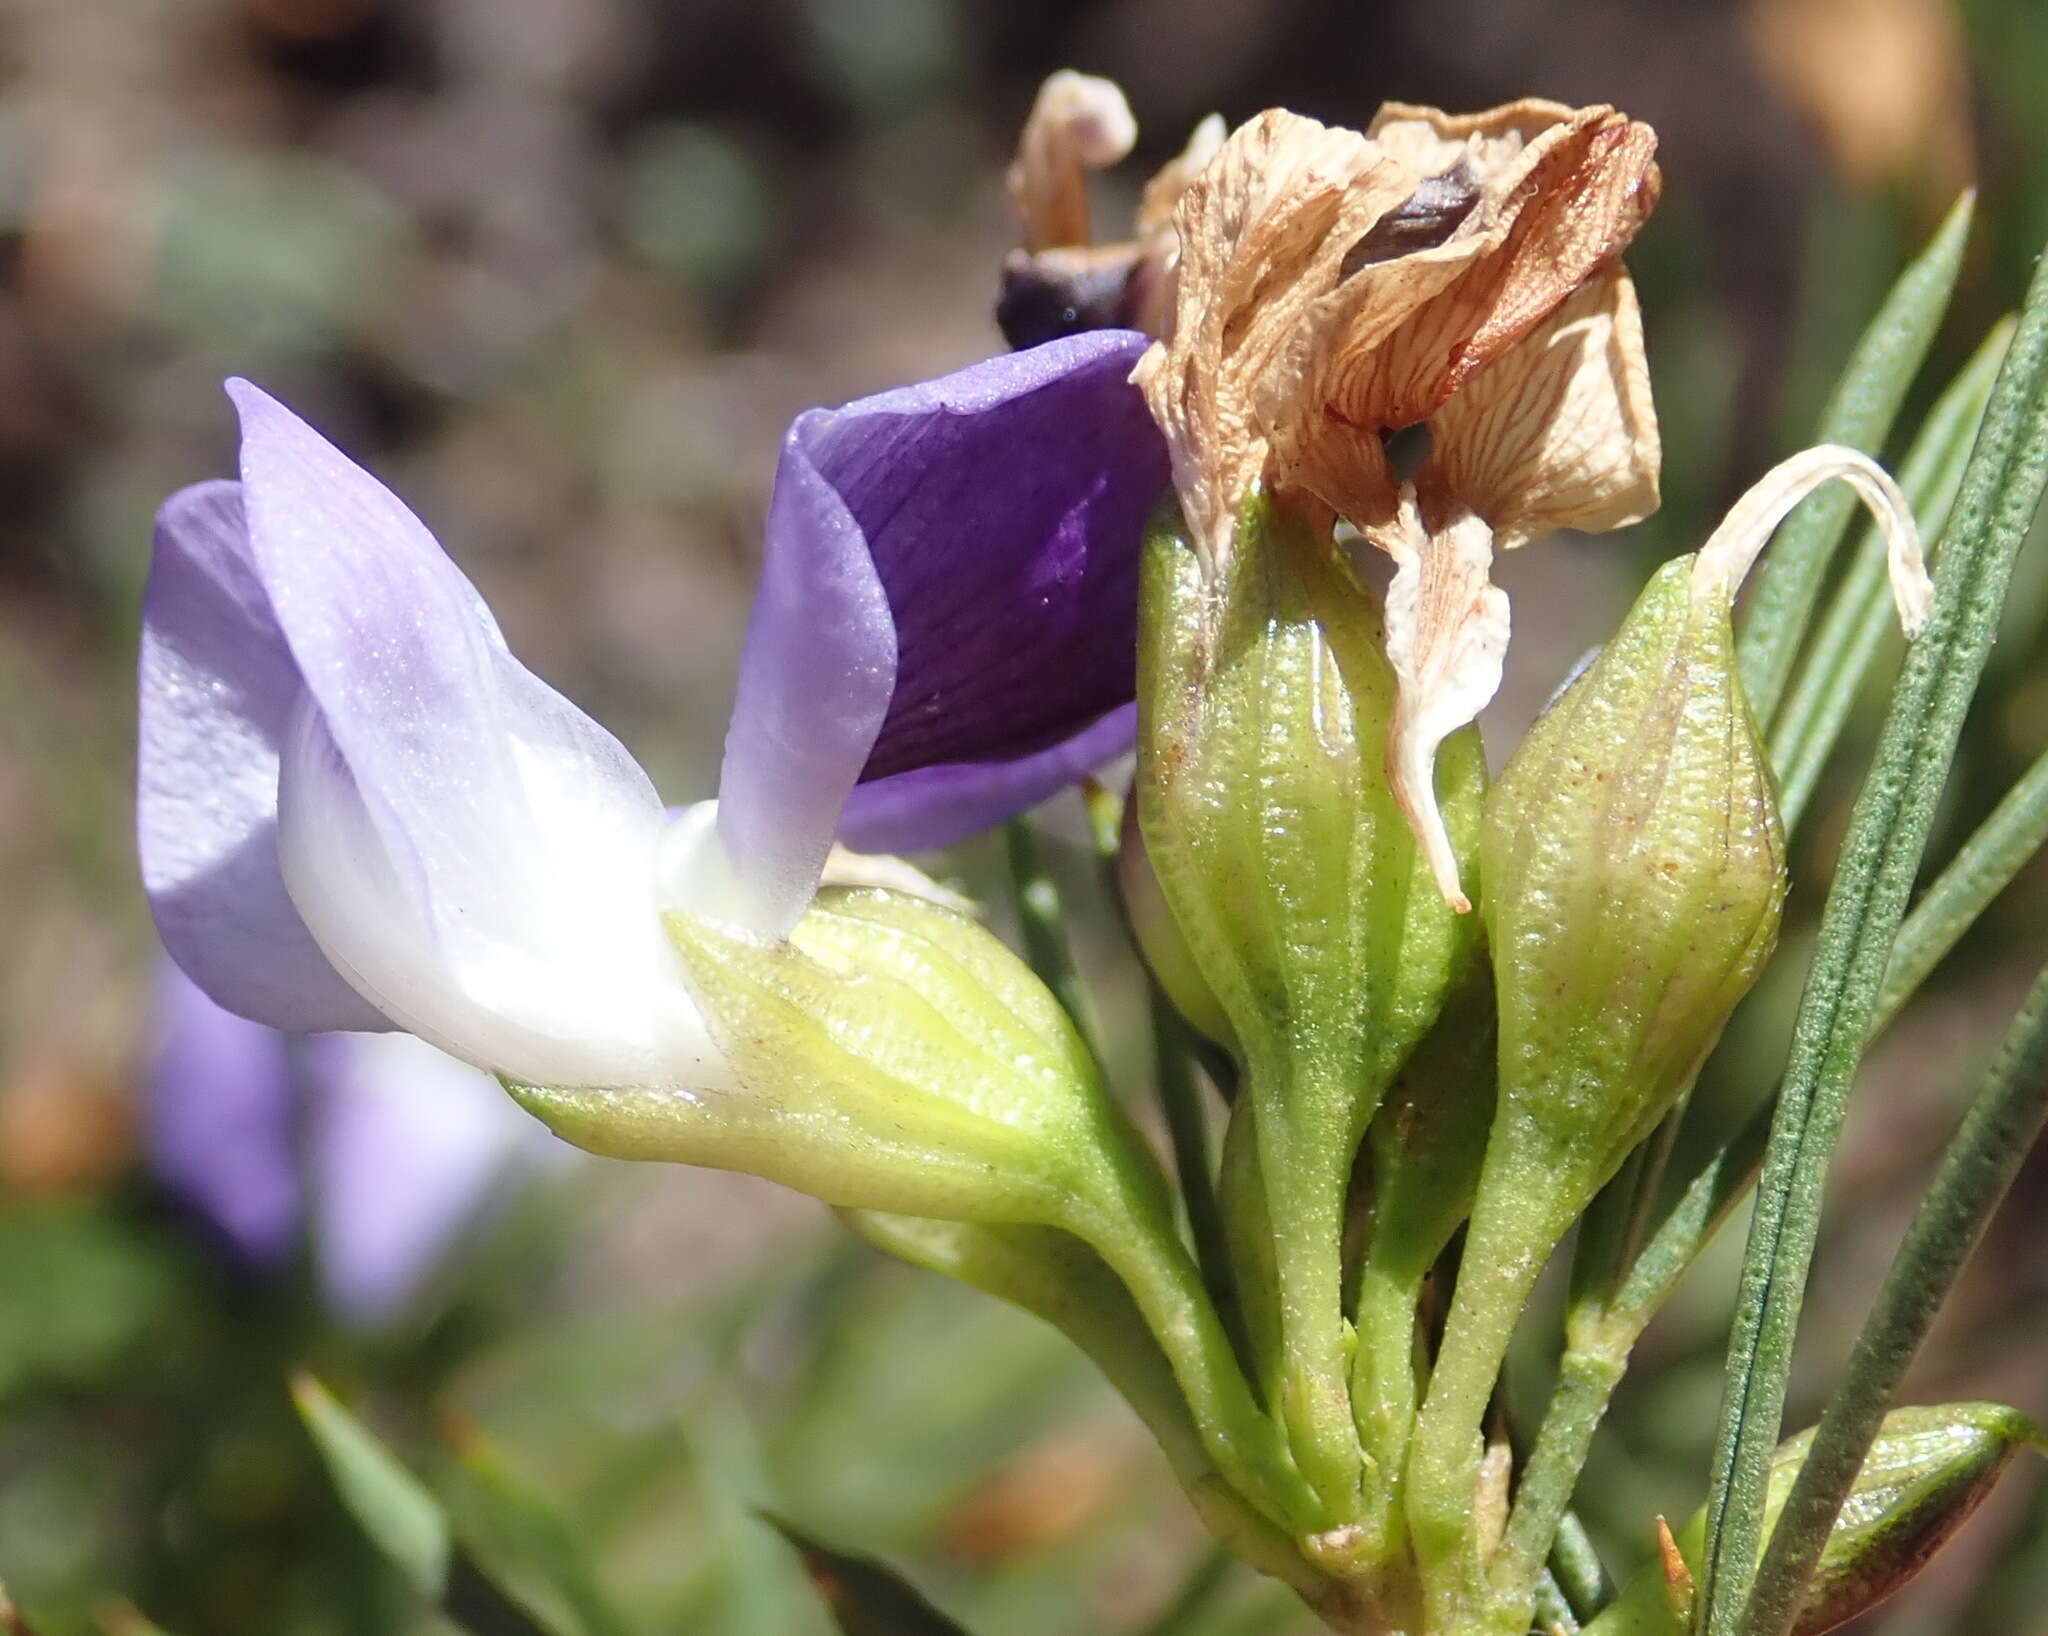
(1041,920)
(1859,413)
(1586,1378)
(1306,1171)
(1187,1128)
(1384,1385)
(1065,1282)
(1859,619)
(1976,1172)
(1880,856)
(1506,1246)
(1142,1248)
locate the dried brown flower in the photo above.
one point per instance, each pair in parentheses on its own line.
(1061,281)
(1454,271)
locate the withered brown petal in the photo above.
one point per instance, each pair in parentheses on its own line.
(1262,229)
(1559,431)
(1078,123)
(1412,331)
(1447,638)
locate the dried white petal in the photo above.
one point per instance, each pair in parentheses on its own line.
(1447,637)
(1078,123)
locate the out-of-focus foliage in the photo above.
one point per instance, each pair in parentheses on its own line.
(561,270)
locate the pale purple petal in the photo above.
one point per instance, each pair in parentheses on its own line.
(974,541)
(218,1117)
(472,850)
(218,688)
(408,1147)
(936,806)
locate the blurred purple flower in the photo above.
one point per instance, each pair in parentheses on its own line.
(358,810)
(380,1148)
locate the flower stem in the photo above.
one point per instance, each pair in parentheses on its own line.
(1305,1165)
(1136,1236)
(1511,1237)
(1042,923)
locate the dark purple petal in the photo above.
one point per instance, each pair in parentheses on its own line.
(218,688)
(972,542)
(217,1095)
(936,806)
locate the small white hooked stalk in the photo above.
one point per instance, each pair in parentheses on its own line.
(1725,560)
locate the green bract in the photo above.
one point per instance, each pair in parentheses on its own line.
(1928,1470)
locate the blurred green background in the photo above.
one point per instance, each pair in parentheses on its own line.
(561,271)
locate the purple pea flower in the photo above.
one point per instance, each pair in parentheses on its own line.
(377,1147)
(357,810)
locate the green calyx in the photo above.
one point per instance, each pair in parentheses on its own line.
(893,1055)
(1927,1472)
(1634,875)
(1635,871)
(1302,904)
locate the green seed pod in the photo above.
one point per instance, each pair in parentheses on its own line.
(1928,1470)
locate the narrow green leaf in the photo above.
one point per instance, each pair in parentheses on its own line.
(1976,1172)
(1859,413)
(1983,867)
(1880,856)
(1195,1597)
(500,1514)
(390,1504)
(1042,922)
(866,1598)
(1860,617)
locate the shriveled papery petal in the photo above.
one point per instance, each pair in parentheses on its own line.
(1150,291)
(1264,229)
(218,687)
(1725,560)
(1162,193)
(1078,123)
(948,597)
(407,1147)
(1404,331)
(1560,430)
(1447,636)
(218,1113)
(471,851)
(1430,141)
